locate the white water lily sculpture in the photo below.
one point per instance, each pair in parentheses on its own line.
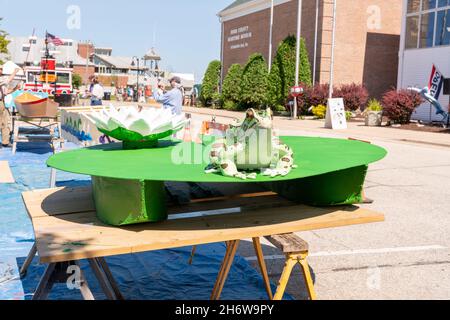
(138,124)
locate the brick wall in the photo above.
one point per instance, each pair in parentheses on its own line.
(364,53)
(285,24)
(119,81)
(367,43)
(85,50)
(81,70)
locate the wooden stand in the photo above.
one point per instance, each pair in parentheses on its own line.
(296,251)
(42,130)
(57,273)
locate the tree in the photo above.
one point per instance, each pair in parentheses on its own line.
(231,88)
(211,82)
(3,42)
(282,75)
(76,81)
(255,82)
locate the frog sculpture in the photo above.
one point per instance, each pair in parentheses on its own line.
(251,146)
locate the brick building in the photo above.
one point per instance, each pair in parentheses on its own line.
(367,36)
(87,60)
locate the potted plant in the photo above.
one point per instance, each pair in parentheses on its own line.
(374,113)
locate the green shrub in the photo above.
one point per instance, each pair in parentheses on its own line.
(231,88)
(348,115)
(77,81)
(282,74)
(3,42)
(231,106)
(211,82)
(374,105)
(320,111)
(255,80)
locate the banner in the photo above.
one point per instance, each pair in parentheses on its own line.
(436,82)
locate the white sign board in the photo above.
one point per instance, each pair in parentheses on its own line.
(336,117)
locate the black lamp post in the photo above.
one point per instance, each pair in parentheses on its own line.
(137,78)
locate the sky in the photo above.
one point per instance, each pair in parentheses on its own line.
(185,33)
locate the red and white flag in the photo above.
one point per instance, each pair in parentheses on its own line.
(54,39)
(436,82)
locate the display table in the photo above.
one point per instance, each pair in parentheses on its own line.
(67,230)
(128,185)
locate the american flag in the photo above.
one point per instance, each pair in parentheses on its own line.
(54,39)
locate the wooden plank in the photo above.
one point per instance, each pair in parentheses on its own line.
(6,175)
(81,235)
(288,243)
(66,227)
(54,202)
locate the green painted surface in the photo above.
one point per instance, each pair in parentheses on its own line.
(124,202)
(172,161)
(336,188)
(129,184)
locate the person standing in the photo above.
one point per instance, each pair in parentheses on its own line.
(172,99)
(5,83)
(96,92)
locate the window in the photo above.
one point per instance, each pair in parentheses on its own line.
(427,23)
(412,32)
(443,28)
(33,76)
(427,30)
(26,48)
(428,4)
(413,6)
(63,78)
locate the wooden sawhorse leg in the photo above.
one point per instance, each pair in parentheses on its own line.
(33,251)
(296,251)
(57,273)
(262,266)
(106,279)
(24,269)
(230,253)
(291,260)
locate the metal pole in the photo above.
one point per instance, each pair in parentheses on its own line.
(271,35)
(137,82)
(315,42)
(333,43)
(222,70)
(297,60)
(87,62)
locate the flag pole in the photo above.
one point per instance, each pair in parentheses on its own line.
(271,35)
(297,60)
(333,43)
(316,36)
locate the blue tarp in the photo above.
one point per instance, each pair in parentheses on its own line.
(147,276)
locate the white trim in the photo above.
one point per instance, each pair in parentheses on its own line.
(402,45)
(248,8)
